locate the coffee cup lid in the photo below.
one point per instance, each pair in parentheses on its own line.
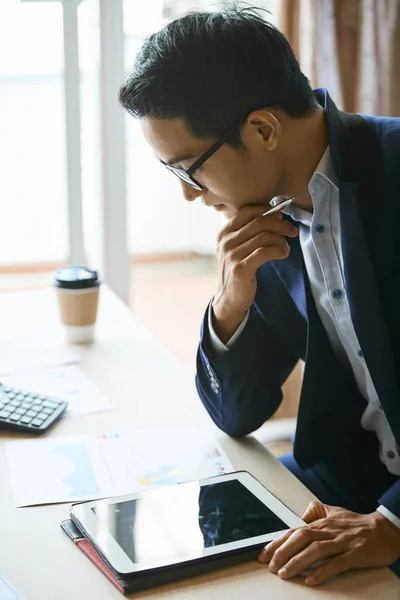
(76,278)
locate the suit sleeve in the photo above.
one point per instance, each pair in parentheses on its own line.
(241,388)
(391,499)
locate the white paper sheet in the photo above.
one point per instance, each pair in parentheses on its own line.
(19,352)
(75,468)
(67,383)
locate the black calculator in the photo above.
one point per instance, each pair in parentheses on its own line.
(25,411)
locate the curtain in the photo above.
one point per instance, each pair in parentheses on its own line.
(354,47)
(289,22)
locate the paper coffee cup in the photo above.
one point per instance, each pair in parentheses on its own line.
(77,291)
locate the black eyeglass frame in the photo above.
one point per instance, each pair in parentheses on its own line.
(187,174)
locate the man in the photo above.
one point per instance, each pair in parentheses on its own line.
(224,105)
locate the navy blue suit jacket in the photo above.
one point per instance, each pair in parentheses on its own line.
(242,388)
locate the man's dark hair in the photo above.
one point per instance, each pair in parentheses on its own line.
(211,68)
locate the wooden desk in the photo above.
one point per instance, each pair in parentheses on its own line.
(148,389)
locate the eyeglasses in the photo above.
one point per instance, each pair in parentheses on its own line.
(187,174)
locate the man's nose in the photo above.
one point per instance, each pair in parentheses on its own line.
(189,192)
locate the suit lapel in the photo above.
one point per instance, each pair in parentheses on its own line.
(365,305)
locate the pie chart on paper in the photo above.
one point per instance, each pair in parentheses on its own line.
(164,475)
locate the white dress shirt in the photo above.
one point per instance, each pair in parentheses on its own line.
(320,241)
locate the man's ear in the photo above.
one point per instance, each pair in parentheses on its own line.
(267,126)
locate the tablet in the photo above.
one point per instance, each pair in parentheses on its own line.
(183,523)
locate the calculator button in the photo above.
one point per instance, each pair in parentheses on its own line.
(37,422)
(28,399)
(47,411)
(26,405)
(11,395)
(7,389)
(34,396)
(15,403)
(20,411)
(5,400)
(2,405)
(37,403)
(4,414)
(42,397)
(43,415)
(25,419)
(50,404)
(15,417)
(31,413)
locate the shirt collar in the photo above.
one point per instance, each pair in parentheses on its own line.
(325,167)
(323,171)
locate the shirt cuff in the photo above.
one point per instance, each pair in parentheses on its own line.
(389,515)
(217,347)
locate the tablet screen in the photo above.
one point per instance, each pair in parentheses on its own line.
(186,519)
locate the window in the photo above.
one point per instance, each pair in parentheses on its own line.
(33,185)
(33,203)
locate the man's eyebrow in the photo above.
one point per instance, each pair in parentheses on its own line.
(178,159)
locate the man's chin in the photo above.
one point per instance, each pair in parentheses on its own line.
(228,213)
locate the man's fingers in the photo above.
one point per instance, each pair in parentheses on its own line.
(315,552)
(275,245)
(246,215)
(336,565)
(250,212)
(296,543)
(261,256)
(230,238)
(267,552)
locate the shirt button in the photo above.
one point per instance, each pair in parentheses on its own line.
(390,454)
(337,294)
(320,228)
(361,354)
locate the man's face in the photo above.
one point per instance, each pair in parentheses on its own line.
(232,177)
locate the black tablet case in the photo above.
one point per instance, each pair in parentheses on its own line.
(158,576)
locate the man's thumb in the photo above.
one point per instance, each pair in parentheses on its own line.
(315,510)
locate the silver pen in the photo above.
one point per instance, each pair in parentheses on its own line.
(278,207)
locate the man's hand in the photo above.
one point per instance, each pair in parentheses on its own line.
(344,539)
(244,244)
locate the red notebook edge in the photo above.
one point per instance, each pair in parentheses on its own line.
(83,544)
